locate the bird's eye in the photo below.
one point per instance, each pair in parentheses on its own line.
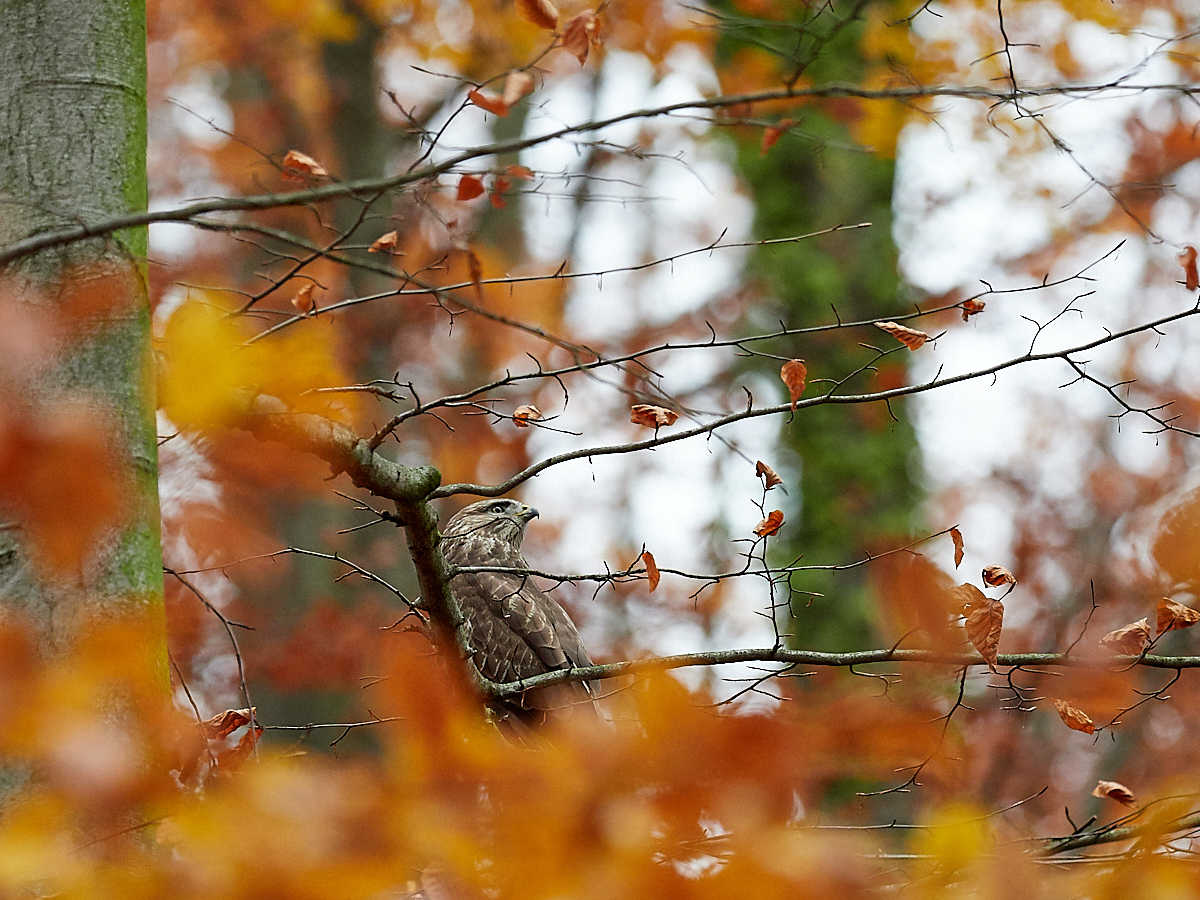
(497,507)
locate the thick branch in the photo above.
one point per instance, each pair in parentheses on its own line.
(837,660)
(408,488)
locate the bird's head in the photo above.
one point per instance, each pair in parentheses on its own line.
(501,518)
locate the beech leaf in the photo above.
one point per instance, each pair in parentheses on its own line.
(767,474)
(494,105)
(1130,640)
(516,85)
(772,134)
(541,13)
(956,536)
(1074,718)
(771,524)
(1114,790)
(984,621)
(299,166)
(794,373)
(303,300)
(909,337)
(1187,259)
(523,415)
(652,574)
(997,576)
(384,243)
(971,308)
(581,35)
(469,187)
(1173,616)
(651,416)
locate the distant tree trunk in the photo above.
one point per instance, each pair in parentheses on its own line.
(78,454)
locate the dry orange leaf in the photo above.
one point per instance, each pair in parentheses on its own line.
(232,759)
(1074,718)
(226,723)
(794,373)
(772,134)
(385,243)
(771,524)
(767,474)
(1130,640)
(469,187)
(909,337)
(984,621)
(476,269)
(652,574)
(971,308)
(516,85)
(651,416)
(1173,616)
(523,172)
(956,536)
(298,166)
(541,13)
(1114,790)
(581,35)
(523,415)
(500,184)
(494,105)
(1187,259)
(303,300)
(998,575)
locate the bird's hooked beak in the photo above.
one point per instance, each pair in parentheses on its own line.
(527,513)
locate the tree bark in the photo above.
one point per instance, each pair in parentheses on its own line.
(73,152)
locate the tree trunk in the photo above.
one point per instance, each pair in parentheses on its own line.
(78,453)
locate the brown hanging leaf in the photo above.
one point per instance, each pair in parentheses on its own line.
(516,85)
(971,308)
(909,337)
(581,35)
(1187,259)
(771,524)
(997,575)
(772,134)
(523,415)
(494,105)
(767,474)
(794,373)
(541,13)
(984,621)
(303,300)
(1173,616)
(226,723)
(651,416)
(652,574)
(956,536)
(1114,790)
(230,760)
(300,167)
(500,184)
(469,187)
(1130,640)
(385,243)
(1074,718)
(476,269)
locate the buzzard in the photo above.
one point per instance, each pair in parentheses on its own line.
(512,629)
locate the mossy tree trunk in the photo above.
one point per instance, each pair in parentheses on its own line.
(78,455)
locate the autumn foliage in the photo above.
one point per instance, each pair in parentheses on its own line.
(426,286)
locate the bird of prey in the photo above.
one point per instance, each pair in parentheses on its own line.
(512,629)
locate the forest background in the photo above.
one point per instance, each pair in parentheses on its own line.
(577,253)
